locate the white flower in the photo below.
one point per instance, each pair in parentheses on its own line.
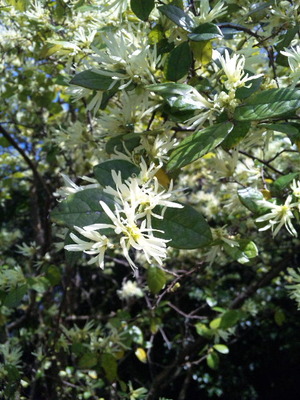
(28,251)
(71,187)
(280,215)
(293,56)
(132,235)
(206,13)
(142,196)
(233,68)
(295,186)
(115,7)
(97,247)
(160,147)
(129,55)
(130,289)
(38,12)
(224,164)
(200,104)
(125,115)
(222,234)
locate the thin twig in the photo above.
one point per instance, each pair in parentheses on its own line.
(239,28)
(28,161)
(266,163)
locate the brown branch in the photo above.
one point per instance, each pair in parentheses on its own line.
(28,161)
(239,28)
(266,163)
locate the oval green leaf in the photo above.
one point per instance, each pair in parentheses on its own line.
(221,348)
(204,32)
(92,80)
(186,228)
(178,16)
(15,296)
(142,8)
(82,209)
(213,360)
(269,104)
(156,279)
(198,144)
(179,62)
(103,171)
(249,197)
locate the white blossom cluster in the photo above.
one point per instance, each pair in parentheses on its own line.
(136,202)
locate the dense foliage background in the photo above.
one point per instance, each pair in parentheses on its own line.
(197,103)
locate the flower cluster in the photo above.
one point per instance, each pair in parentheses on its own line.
(281,215)
(138,199)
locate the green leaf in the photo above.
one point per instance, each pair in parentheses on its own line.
(92,80)
(53,274)
(249,197)
(279,317)
(186,228)
(237,134)
(15,296)
(170,89)
(103,171)
(178,16)
(110,366)
(142,8)
(39,284)
(202,51)
(198,144)
(246,250)
(286,38)
(213,360)
(179,62)
(291,130)
(215,323)
(221,348)
(88,360)
(83,208)
(230,318)
(203,330)
(269,104)
(156,279)
(204,32)
(129,141)
(283,182)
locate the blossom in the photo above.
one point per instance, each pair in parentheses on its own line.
(280,215)
(206,13)
(130,289)
(160,147)
(295,186)
(71,187)
(233,68)
(202,108)
(28,251)
(128,54)
(221,237)
(138,237)
(125,115)
(97,247)
(293,56)
(143,197)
